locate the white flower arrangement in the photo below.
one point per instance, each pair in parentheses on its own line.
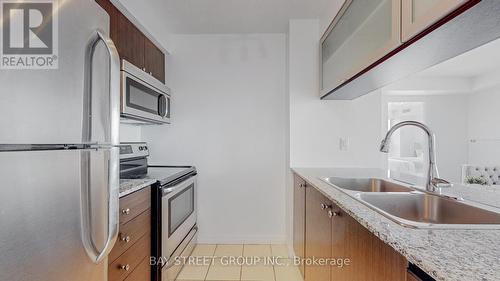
(476,180)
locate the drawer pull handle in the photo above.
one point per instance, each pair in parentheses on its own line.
(125,238)
(325,207)
(332,214)
(126,211)
(125,267)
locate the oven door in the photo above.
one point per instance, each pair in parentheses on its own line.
(144,102)
(178,214)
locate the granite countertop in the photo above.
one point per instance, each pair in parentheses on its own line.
(445,254)
(128,186)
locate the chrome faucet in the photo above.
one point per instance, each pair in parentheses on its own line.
(434,183)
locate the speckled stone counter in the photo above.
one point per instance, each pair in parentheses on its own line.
(132,185)
(445,254)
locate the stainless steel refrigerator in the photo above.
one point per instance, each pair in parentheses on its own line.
(59,170)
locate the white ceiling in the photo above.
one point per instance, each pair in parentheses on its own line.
(482,60)
(235,16)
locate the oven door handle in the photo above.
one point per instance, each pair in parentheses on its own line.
(171,191)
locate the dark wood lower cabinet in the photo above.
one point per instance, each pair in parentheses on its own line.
(142,272)
(129,258)
(318,236)
(412,277)
(353,252)
(299,214)
(370,258)
(134,204)
(130,233)
(341,246)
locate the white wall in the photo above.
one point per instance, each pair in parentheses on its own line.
(316,126)
(151,18)
(484,117)
(329,15)
(228,119)
(130,133)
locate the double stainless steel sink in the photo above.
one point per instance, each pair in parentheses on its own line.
(412,208)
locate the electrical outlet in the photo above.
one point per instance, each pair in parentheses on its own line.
(344,144)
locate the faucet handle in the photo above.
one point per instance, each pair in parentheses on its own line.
(441,183)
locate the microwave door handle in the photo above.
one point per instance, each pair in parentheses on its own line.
(167,106)
(113,164)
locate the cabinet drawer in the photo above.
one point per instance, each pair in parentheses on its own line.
(411,277)
(130,233)
(134,204)
(142,272)
(126,263)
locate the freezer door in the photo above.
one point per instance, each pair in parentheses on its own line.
(47,106)
(43,210)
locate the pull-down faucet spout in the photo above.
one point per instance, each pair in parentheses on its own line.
(433,181)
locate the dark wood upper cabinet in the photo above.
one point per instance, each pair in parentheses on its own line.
(132,44)
(154,60)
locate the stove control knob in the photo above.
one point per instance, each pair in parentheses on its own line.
(140,148)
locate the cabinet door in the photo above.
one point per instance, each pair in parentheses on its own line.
(420,14)
(318,235)
(299,218)
(142,272)
(154,60)
(130,42)
(361,33)
(371,259)
(412,277)
(340,245)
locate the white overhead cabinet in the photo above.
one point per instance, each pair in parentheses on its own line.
(362,32)
(417,15)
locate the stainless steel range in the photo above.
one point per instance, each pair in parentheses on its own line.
(174,207)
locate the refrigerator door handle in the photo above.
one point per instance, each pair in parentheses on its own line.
(114,159)
(92,250)
(114,89)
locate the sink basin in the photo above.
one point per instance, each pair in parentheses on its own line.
(367,185)
(425,209)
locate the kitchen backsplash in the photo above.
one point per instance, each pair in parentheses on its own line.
(130,133)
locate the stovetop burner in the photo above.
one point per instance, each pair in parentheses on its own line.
(134,165)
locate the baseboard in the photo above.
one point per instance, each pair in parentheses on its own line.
(291,251)
(241,239)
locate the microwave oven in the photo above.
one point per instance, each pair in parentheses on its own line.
(143,98)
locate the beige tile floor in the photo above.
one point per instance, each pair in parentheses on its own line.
(213,264)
